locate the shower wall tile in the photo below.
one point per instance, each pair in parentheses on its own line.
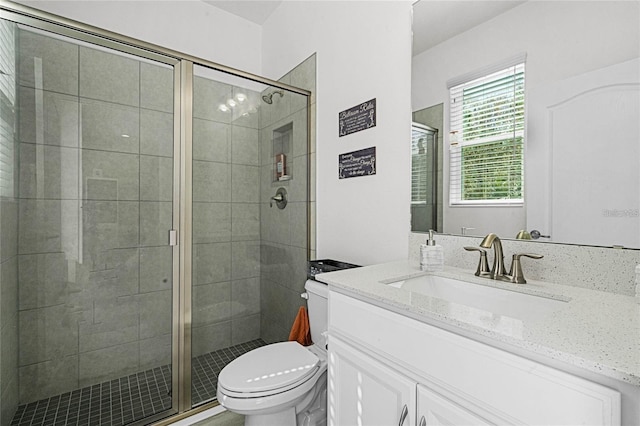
(156,87)
(109,225)
(211,141)
(298,224)
(211,181)
(246,114)
(52,377)
(304,76)
(210,338)
(9,228)
(278,110)
(41,229)
(268,187)
(104,364)
(9,398)
(245,183)
(59,117)
(110,175)
(155,313)
(273,309)
(115,322)
(298,185)
(274,263)
(155,352)
(275,224)
(245,259)
(44,280)
(211,303)
(245,148)
(58,59)
(109,77)
(8,298)
(156,133)
(156,218)
(299,120)
(109,126)
(47,333)
(156,178)
(58,169)
(245,329)
(211,263)
(245,221)
(207,96)
(156,269)
(245,297)
(211,222)
(113,273)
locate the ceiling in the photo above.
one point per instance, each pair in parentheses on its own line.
(253,10)
(435,21)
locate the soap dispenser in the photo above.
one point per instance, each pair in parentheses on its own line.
(431,255)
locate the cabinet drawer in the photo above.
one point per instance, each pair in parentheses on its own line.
(511,386)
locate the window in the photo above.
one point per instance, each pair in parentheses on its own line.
(419,178)
(487,139)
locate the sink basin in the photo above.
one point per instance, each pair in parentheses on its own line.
(493,300)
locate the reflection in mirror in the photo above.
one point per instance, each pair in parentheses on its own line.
(424,179)
(582,103)
(426,210)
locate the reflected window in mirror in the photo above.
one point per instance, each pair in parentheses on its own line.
(486,139)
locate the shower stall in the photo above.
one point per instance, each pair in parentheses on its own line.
(140,250)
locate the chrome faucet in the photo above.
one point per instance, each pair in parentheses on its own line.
(497,270)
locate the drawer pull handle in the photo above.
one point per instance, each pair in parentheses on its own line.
(423,421)
(403,415)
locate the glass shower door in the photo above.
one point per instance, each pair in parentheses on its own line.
(94,271)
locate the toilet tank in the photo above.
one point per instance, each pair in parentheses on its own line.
(318,311)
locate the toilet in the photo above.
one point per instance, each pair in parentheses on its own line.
(282,384)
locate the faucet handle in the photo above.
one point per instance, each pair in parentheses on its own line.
(483,264)
(515,274)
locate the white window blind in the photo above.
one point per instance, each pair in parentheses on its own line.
(487,139)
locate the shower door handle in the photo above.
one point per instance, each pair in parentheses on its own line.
(173,237)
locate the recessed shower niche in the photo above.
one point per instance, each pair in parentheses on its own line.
(281,149)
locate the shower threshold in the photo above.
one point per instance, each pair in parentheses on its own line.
(131,398)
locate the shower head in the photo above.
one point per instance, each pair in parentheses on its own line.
(268,98)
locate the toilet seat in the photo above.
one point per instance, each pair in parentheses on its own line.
(268,370)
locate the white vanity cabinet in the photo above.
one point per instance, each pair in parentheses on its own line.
(366,392)
(381,361)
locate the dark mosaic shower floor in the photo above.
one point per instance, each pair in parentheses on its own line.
(130,398)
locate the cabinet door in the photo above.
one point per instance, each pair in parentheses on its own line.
(436,410)
(364,392)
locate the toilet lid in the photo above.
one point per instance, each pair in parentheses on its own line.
(269,367)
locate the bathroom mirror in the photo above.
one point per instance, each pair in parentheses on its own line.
(582,103)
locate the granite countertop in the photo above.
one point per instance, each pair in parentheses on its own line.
(594,330)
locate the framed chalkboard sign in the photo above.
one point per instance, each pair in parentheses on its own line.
(357,163)
(357,118)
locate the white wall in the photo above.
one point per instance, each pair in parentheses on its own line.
(363,52)
(188,26)
(561,39)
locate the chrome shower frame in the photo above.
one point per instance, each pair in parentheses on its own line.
(183,65)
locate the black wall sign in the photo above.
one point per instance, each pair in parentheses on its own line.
(359,117)
(357,163)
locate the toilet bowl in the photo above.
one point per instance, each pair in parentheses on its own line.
(282,384)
